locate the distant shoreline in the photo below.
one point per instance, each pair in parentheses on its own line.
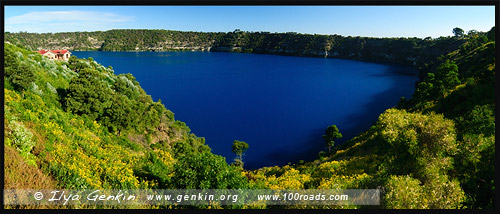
(403,51)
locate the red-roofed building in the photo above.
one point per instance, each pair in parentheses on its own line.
(56,54)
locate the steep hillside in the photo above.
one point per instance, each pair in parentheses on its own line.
(77,125)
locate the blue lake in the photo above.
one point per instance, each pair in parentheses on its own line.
(279,105)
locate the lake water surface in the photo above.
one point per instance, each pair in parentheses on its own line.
(279,105)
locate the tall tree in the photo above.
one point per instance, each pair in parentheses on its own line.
(331,133)
(458,32)
(238,148)
(447,72)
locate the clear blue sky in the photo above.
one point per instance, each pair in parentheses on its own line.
(374,21)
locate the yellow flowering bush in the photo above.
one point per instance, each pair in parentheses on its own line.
(344,181)
(11,96)
(348,173)
(290,179)
(91,166)
(81,159)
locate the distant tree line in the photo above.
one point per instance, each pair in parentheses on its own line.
(408,51)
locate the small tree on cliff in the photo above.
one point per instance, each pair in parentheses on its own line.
(331,133)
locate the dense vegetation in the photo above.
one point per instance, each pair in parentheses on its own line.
(76,124)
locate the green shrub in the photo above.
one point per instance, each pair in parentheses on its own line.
(23,141)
